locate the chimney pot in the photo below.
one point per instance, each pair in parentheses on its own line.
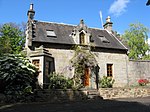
(108,25)
(31,6)
(31,12)
(108,19)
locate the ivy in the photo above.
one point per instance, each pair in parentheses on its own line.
(81,59)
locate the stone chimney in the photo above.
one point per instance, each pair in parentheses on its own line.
(31,13)
(108,25)
(30,25)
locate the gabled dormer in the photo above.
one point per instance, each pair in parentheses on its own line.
(80,34)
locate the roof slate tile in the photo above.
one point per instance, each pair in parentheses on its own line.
(63,32)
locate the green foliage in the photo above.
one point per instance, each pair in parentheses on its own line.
(81,60)
(83,57)
(58,81)
(106,82)
(136,38)
(17,75)
(12,39)
(148,2)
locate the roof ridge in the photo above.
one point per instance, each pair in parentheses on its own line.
(56,23)
(67,24)
(118,40)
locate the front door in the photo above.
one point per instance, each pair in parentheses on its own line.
(86,77)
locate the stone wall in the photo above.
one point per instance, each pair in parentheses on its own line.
(125,72)
(119,62)
(62,59)
(59,95)
(46,95)
(138,70)
(134,92)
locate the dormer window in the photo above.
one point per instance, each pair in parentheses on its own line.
(82,38)
(81,34)
(91,39)
(103,39)
(50,33)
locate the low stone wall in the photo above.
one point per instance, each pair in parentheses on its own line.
(59,95)
(71,95)
(46,95)
(133,92)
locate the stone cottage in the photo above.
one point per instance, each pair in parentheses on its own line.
(49,47)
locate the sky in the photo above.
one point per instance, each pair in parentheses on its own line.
(122,12)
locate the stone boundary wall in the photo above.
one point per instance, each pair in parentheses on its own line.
(137,70)
(60,95)
(133,92)
(78,95)
(46,95)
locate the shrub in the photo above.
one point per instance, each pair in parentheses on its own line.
(17,75)
(106,82)
(58,81)
(143,82)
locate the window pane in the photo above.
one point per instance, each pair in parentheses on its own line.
(82,38)
(36,63)
(109,70)
(50,33)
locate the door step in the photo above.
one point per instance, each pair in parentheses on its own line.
(93,94)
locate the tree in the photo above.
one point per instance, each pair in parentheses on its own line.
(12,38)
(136,38)
(148,2)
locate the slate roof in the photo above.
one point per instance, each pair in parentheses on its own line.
(63,32)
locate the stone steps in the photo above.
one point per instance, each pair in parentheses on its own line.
(93,94)
(69,95)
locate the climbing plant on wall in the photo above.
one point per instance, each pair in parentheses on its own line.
(82,59)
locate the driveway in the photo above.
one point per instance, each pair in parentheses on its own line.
(98,105)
